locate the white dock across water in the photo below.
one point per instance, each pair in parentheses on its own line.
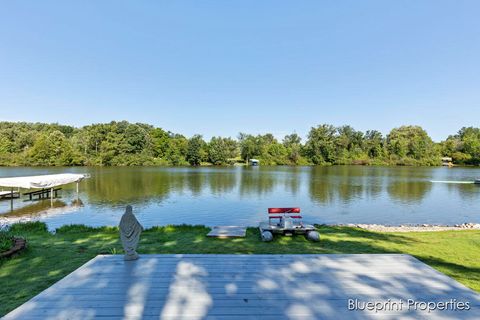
(247,287)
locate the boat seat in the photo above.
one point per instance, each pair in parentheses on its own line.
(279,213)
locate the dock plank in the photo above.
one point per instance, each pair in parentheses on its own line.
(227,287)
(227,232)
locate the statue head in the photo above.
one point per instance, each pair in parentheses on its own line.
(129,209)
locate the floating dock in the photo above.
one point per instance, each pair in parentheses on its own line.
(227,232)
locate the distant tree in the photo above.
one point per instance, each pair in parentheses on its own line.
(249,146)
(348,145)
(276,153)
(291,140)
(293,145)
(320,146)
(464,147)
(52,149)
(410,141)
(374,144)
(195,149)
(177,150)
(136,138)
(220,150)
(160,142)
(124,143)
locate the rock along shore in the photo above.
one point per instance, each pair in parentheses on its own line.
(413,228)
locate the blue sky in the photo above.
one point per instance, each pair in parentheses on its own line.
(221,67)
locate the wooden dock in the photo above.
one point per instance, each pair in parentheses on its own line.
(227,232)
(43,193)
(9,194)
(248,287)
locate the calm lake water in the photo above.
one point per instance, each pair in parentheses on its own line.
(240,196)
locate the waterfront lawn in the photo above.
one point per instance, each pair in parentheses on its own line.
(49,257)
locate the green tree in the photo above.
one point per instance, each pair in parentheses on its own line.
(220,150)
(412,142)
(320,146)
(293,145)
(249,146)
(160,142)
(464,147)
(374,144)
(348,145)
(194,150)
(137,138)
(177,150)
(52,149)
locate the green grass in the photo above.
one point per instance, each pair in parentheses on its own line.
(49,257)
(6,241)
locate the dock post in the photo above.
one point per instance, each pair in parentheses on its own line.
(51,197)
(11,199)
(77,191)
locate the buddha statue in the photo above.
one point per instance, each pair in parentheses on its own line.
(130,230)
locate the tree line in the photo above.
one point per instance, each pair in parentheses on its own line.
(138,144)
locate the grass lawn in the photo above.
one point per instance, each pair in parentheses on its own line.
(50,257)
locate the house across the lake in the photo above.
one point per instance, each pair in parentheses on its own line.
(447,161)
(254,162)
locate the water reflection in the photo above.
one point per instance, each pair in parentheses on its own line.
(256,182)
(409,191)
(467,192)
(35,208)
(344,184)
(195,182)
(40,209)
(293,180)
(129,186)
(236,195)
(222,182)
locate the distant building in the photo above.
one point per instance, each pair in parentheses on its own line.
(254,162)
(447,161)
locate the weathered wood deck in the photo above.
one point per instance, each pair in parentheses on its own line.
(227,232)
(247,287)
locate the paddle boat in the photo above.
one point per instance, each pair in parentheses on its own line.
(477,181)
(287,222)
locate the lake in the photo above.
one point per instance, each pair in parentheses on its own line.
(241,195)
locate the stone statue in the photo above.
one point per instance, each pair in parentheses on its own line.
(130,230)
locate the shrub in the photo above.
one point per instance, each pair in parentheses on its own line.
(6,241)
(79,228)
(31,226)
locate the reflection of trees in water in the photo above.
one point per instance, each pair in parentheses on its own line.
(255,181)
(141,185)
(467,192)
(125,185)
(344,183)
(222,182)
(195,181)
(373,183)
(402,187)
(293,179)
(321,191)
(408,191)
(321,185)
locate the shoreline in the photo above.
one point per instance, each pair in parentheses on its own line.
(411,228)
(5,222)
